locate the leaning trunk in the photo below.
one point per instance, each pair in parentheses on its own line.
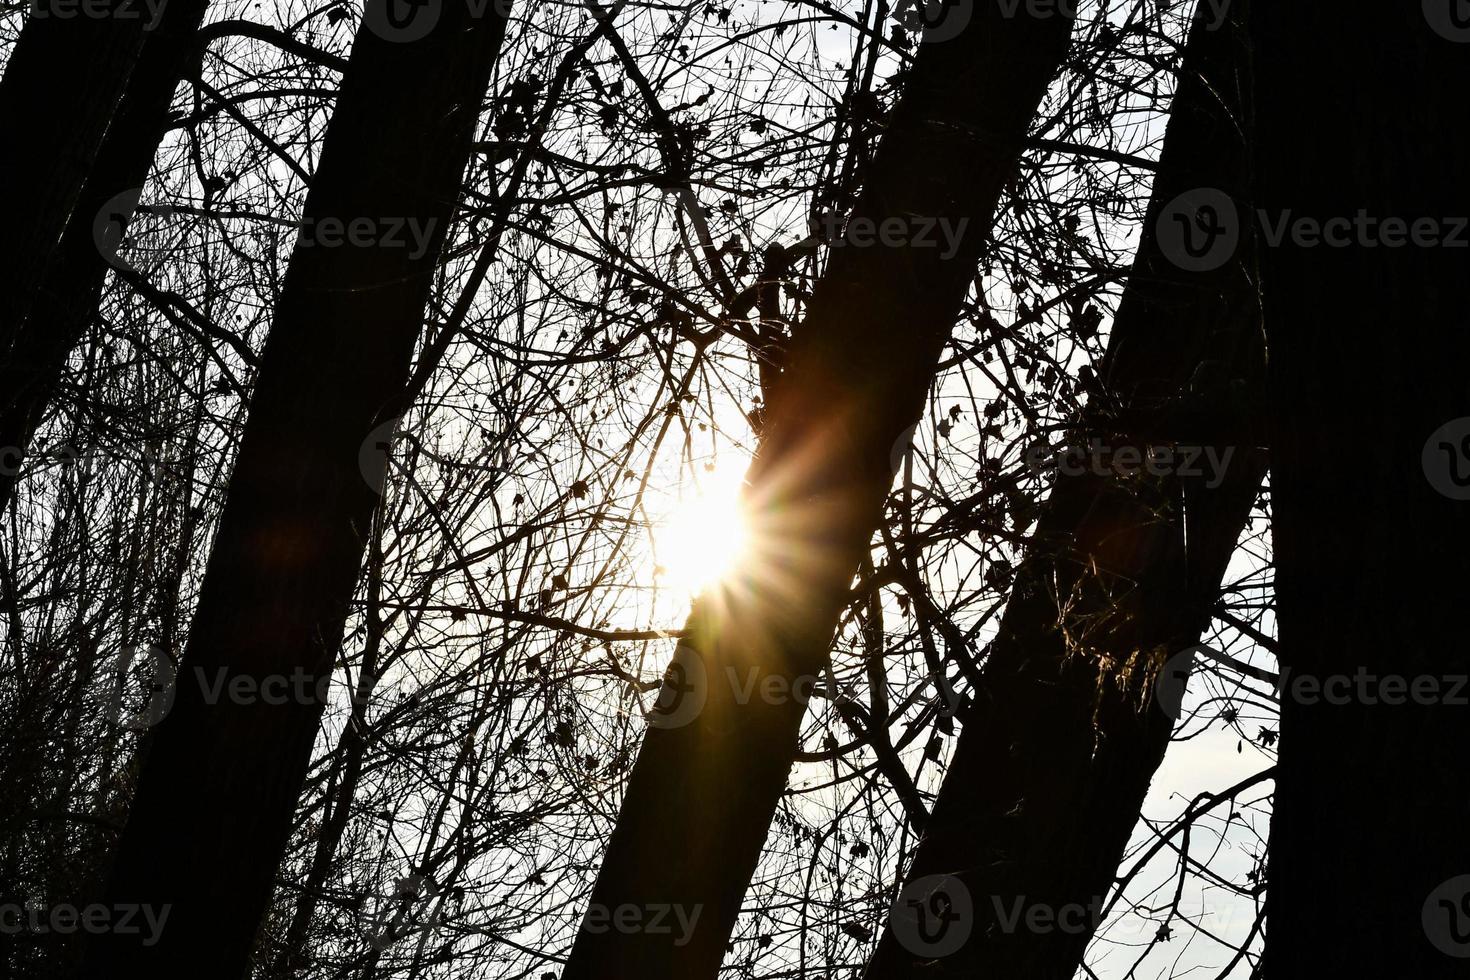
(715,759)
(64,78)
(71,285)
(1063,735)
(213,808)
(1363,127)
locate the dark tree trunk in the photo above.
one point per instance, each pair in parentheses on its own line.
(1062,736)
(1370,838)
(216,795)
(72,282)
(704,789)
(62,82)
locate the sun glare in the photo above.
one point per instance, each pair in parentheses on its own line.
(705,533)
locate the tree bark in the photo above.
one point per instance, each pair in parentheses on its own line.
(715,760)
(63,80)
(72,282)
(1062,735)
(216,794)
(1362,119)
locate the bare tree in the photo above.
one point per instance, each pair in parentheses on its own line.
(1365,320)
(858,368)
(61,84)
(1063,730)
(215,797)
(72,281)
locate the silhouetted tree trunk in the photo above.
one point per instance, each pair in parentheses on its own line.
(63,80)
(704,789)
(1364,120)
(216,795)
(1062,736)
(72,281)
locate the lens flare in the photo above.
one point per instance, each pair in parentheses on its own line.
(705,534)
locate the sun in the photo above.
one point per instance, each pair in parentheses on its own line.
(705,534)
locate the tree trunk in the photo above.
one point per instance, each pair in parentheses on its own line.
(1364,119)
(1062,736)
(715,760)
(63,80)
(72,282)
(216,795)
